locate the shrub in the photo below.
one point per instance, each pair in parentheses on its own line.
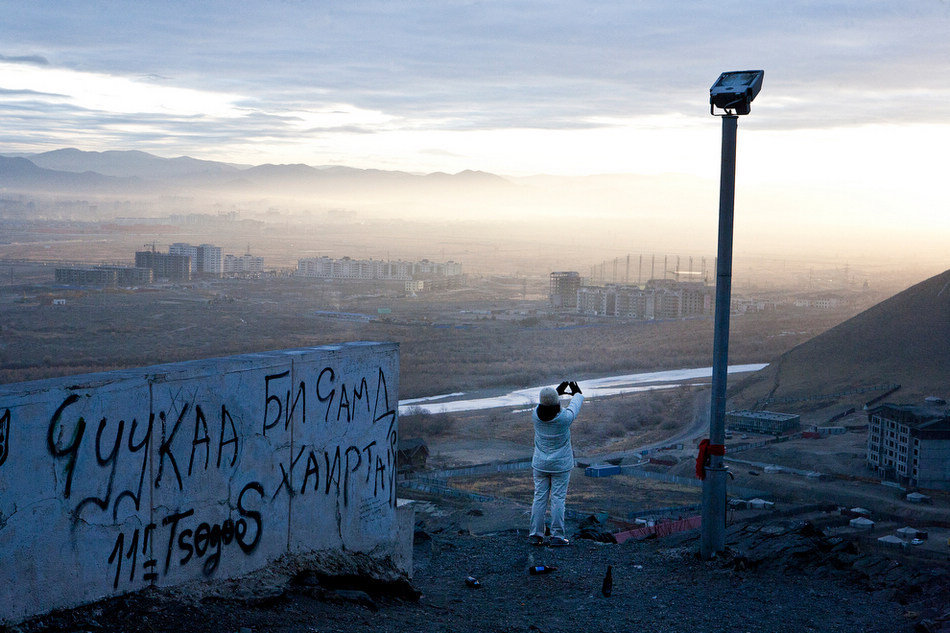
(420,423)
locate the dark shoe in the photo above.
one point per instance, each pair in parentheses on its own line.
(559,541)
(535,539)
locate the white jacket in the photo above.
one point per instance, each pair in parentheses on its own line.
(553,452)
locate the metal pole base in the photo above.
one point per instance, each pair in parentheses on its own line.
(714,512)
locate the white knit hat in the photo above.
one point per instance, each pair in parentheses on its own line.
(548,396)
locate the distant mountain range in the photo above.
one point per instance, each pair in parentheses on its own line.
(110,172)
(904,340)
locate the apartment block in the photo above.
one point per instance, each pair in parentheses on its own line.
(104,276)
(910,444)
(659,299)
(206,259)
(243,264)
(373,269)
(563,293)
(165,265)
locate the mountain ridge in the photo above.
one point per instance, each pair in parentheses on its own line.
(137,163)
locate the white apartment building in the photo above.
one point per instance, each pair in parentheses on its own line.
(370,269)
(824,302)
(910,444)
(243,264)
(658,300)
(205,258)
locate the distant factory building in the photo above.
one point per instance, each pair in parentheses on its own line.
(910,444)
(768,422)
(123,276)
(564,287)
(165,265)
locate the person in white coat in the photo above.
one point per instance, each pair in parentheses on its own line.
(553,460)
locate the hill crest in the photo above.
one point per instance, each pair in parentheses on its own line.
(903,340)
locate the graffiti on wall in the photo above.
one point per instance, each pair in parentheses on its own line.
(330,436)
(183,544)
(4,435)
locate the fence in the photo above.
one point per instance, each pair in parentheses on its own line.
(784,469)
(889,388)
(664,528)
(467,471)
(435,486)
(690,481)
(882,396)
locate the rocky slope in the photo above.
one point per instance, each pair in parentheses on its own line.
(781,574)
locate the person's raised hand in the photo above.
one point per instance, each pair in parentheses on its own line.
(575,388)
(561,388)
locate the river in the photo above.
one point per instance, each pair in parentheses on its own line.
(593,388)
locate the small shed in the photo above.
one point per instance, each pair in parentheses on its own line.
(602,470)
(411,454)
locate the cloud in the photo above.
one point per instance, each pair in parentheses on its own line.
(35,60)
(278,69)
(28,93)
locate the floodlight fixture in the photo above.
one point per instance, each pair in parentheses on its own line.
(734,91)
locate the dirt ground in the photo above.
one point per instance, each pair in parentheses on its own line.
(782,576)
(619,496)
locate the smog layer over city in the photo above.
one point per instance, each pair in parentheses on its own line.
(246,248)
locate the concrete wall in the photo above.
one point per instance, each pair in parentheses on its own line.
(207,469)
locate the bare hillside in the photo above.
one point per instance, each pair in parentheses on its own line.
(903,340)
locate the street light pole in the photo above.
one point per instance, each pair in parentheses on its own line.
(714,485)
(732,93)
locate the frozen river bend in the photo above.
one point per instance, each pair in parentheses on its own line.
(596,387)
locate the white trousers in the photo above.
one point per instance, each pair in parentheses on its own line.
(551,486)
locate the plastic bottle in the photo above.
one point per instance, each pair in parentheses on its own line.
(536,570)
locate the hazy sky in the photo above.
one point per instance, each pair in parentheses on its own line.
(856,99)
